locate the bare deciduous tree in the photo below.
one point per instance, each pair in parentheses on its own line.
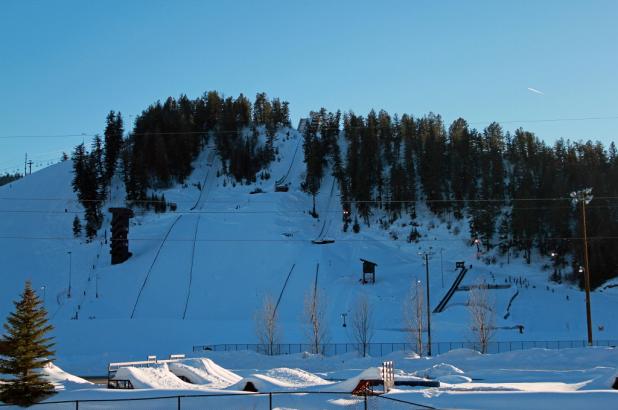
(267,328)
(414,314)
(482,315)
(315,316)
(362,323)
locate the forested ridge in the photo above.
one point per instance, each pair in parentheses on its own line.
(512,189)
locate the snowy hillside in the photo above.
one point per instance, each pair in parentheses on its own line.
(198,275)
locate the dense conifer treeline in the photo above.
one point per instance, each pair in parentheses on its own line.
(8,178)
(512,188)
(167,137)
(93,171)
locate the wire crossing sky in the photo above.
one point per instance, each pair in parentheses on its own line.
(547,66)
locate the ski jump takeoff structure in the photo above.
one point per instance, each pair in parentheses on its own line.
(455,287)
(449,294)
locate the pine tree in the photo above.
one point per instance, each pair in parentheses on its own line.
(26,348)
(77,227)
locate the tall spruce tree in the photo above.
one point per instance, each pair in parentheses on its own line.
(26,348)
(113,142)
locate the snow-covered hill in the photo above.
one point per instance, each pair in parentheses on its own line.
(198,275)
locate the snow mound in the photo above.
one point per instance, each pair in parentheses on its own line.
(204,372)
(61,379)
(440,370)
(261,383)
(296,377)
(279,379)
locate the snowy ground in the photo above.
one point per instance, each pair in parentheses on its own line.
(225,249)
(530,379)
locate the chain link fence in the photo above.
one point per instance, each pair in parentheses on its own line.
(382,349)
(256,401)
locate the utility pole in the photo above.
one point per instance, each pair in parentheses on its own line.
(425,255)
(30,167)
(70,269)
(441,267)
(26,164)
(584,196)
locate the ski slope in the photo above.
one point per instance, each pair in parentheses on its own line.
(198,275)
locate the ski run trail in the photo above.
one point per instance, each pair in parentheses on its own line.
(198,275)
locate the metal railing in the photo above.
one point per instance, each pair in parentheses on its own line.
(382,349)
(268,400)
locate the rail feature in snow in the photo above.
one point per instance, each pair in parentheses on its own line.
(154,261)
(283,289)
(449,294)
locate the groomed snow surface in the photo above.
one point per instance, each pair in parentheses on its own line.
(198,275)
(530,379)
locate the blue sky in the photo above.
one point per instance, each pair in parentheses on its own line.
(65,64)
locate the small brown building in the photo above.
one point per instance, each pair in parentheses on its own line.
(369,271)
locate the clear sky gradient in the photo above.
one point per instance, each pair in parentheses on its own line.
(65,64)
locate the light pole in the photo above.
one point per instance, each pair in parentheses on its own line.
(426,255)
(584,196)
(43,288)
(555,277)
(70,268)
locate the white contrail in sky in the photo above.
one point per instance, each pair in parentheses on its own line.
(534,90)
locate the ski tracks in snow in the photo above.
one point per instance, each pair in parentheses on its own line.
(163,288)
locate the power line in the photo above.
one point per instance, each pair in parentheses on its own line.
(184,133)
(614,117)
(374,201)
(264,240)
(266,212)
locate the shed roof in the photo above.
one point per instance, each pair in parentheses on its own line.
(366,261)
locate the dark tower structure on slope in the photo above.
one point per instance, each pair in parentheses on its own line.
(120,230)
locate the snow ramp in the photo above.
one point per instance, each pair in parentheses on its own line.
(204,372)
(158,377)
(351,384)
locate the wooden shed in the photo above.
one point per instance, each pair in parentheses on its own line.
(369,271)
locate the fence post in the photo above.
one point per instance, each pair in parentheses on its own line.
(270,400)
(76,404)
